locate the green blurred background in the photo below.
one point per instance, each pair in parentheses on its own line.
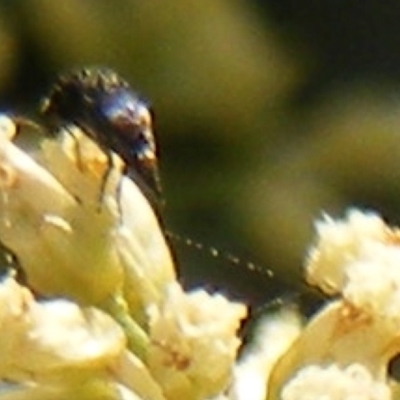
(268,113)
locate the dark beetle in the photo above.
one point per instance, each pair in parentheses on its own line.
(103,105)
(105,108)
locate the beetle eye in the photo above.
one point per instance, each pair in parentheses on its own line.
(123,121)
(127,119)
(124,110)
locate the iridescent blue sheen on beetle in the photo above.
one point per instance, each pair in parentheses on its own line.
(103,105)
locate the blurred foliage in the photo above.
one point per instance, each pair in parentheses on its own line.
(267,113)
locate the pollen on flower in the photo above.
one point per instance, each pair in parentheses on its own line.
(360,258)
(340,243)
(193,344)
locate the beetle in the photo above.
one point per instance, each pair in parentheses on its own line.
(103,106)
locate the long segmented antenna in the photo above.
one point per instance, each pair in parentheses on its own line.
(240,262)
(214,252)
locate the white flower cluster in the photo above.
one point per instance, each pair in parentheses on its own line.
(344,351)
(100,313)
(360,259)
(196,341)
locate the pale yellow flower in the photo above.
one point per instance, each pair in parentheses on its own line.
(102,315)
(344,350)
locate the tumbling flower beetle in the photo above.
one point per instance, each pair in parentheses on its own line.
(104,106)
